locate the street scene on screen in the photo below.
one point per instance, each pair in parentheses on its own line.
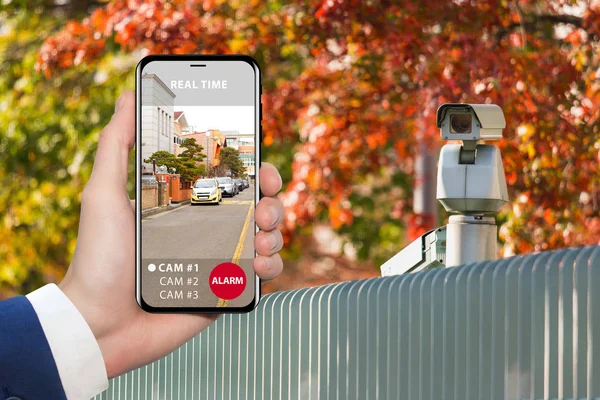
(198,190)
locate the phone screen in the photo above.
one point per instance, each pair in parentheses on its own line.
(197,151)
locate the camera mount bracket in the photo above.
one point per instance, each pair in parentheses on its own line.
(468,152)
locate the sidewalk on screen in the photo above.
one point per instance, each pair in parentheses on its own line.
(161,209)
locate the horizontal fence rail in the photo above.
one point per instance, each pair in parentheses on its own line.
(526,327)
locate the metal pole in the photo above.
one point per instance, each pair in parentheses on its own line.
(470,238)
(425,207)
(425,204)
(206,134)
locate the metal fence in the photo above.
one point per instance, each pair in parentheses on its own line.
(526,327)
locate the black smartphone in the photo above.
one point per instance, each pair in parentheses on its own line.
(197,183)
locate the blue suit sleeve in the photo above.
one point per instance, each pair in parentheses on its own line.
(27,367)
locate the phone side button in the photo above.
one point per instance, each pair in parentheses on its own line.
(260,123)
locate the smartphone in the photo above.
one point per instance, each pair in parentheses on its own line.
(197,184)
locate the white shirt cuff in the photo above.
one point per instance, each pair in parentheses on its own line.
(75,349)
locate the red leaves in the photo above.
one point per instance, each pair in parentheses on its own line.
(591,19)
(339,213)
(160,27)
(67,49)
(352,84)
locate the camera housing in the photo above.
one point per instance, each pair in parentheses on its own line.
(461,121)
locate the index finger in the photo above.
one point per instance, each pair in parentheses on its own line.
(270,180)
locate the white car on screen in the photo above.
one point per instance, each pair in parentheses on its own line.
(206,191)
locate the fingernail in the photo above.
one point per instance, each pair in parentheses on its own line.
(119,103)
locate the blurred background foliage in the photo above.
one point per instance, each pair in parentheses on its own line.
(350,93)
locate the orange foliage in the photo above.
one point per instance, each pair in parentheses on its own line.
(367,72)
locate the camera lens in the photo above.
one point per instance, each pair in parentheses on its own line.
(460,123)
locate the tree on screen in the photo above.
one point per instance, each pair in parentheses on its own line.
(191,159)
(230,161)
(164,158)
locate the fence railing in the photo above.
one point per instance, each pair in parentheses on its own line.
(526,327)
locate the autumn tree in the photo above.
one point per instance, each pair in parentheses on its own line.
(350,91)
(49,129)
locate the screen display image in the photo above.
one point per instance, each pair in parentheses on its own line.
(198,179)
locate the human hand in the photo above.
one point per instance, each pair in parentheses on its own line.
(101,278)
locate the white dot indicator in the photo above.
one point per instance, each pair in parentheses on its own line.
(151,267)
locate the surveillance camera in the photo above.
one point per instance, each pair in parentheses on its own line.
(460,121)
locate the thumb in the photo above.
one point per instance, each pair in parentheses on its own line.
(115,142)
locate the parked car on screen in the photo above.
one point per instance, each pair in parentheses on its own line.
(246,183)
(236,187)
(240,184)
(206,191)
(227,186)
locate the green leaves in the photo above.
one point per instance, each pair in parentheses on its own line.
(187,164)
(48,135)
(189,161)
(230,160)
(164,158)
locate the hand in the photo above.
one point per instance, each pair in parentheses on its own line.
(101,278)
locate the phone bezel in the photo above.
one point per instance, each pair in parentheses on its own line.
(138,220)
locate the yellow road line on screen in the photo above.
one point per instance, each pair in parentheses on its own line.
(238,250)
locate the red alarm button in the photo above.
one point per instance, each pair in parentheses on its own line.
(227,281)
